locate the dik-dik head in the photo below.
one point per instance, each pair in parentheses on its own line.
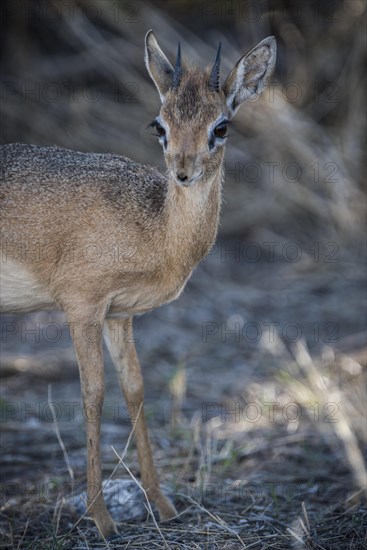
(195,111)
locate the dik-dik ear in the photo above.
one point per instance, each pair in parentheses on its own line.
(159,68)
(250,74)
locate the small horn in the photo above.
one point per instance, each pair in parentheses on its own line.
(214,75)
(178,70)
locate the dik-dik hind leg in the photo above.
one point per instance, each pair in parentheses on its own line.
(86,328)
(119,340)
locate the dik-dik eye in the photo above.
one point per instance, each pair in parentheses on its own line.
(218,134)
(220,131)
(161,132)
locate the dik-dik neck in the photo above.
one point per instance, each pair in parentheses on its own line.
(192,218)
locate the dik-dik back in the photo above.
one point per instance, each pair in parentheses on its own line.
(80,222)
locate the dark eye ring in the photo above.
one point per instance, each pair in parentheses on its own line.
(220,131)
(161,132)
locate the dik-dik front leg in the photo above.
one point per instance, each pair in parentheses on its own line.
(86,327)
(119,340)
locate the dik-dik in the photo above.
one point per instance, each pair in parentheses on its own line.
(104,238)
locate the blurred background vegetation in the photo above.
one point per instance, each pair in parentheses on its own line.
(291,244)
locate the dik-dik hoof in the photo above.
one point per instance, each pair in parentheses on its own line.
(106,526)
(166,509)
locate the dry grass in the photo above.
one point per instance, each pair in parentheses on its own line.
(295,183)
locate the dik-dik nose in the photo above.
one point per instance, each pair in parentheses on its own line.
(182,176)
(184,167)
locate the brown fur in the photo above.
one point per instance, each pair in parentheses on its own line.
(103,238)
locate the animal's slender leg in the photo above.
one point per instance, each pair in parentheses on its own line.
(86,328)
(119,340)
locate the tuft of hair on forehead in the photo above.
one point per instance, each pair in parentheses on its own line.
(193,99)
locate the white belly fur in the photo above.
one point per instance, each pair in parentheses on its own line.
(20,292)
